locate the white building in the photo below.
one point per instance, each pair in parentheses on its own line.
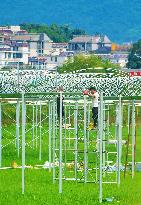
(38,44)
(58,59)
(13,54)
(85,43)
(120,59)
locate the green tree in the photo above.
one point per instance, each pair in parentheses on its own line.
(86,64)
(134,58)
(55,32)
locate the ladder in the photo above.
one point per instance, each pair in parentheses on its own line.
(131,115)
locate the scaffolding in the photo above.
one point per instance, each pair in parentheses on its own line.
(74,152)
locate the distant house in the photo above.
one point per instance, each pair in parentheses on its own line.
(103,50)
(12,54)
(120,59)
(60,47)
(38,44)
(11,30)
(4,39)
(124,48)
(84,43)
(51,61)
(58,59)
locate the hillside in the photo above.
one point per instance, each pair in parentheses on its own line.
(120,20)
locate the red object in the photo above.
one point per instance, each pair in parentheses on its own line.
(132,74)
(85,92)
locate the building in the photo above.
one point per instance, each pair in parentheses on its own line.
(13,53)
(38,44)
(120,59)
(11,30)
(58,59)
(4,39)
(38,62)
(85,43)
(59,47)
(124,48)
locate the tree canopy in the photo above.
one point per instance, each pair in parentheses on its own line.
(86,64)
(134,58)
(55,32)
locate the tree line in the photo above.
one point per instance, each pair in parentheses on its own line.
(57,33)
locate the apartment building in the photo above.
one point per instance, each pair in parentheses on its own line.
(38,44)
(13,53)
(85,43)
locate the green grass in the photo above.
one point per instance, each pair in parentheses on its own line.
(39,188)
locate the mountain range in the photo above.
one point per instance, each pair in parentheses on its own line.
(119,19)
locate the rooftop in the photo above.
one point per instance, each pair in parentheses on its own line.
(31,37)
(90,39)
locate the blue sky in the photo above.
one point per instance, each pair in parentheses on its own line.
(120,19)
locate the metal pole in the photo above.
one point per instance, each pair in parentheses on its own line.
(88,133)
(69,121)
(40,149)
(0,136)
(133,138)
(65,134)
(100,145)
(76,137)
(18,65)
(85,140)
(119,140)
(128,123)
(60,151)
(36,125)
(17,126)
(53,135)
(117,121)
(49,136)
(23,141)
(108,122)
(104,127)
(33,126)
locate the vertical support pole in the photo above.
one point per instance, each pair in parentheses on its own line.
(104,138)
(85,140)
(119,140)
(18,67)
(133,138)
(40,149)
(128,126)
(17,126)
(33,126)
(49,135)
(128,123)
(76,136)
(100,145)
(88,133)
(108,122)
(117,121)
(69,122)
(65,135)
(0,135)
(53,134)
(36,124)
(60,151)
(23,141)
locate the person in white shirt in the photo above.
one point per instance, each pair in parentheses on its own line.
(94,94)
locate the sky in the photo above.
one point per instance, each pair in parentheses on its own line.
(119,19)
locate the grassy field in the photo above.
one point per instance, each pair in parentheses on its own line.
(41,190)
(39,187)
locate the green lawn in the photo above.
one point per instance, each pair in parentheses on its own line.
(40,190)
